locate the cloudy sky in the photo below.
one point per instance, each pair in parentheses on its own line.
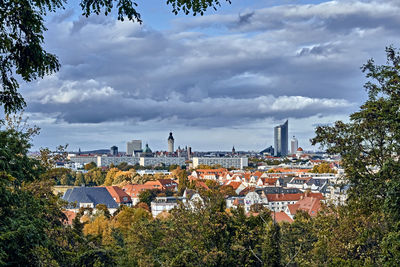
(223,79)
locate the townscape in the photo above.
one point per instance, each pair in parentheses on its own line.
(291,182)
(196,101)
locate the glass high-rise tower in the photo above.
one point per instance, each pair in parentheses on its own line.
(281,134)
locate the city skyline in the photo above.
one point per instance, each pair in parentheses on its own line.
(222,79)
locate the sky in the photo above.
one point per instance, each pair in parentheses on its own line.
(216,81)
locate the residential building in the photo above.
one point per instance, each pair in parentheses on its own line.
(89,197)
(225,162)
(82,159)
(190,198)
(281,216)
(163,184)
(209,174)
(309,204)
(105,161)
(234,202)
(134,190)
(281,133)
(275,202)
(167,161)
(119,195)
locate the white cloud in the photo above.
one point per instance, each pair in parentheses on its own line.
(219,71)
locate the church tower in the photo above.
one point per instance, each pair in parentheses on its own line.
(170,143)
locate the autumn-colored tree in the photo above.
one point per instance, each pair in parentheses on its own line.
(95,176)
(90,165)
(80,179)
(110,177)
(183,181)
(322,168)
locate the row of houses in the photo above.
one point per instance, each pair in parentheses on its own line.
(282,193)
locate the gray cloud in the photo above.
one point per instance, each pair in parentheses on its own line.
(292,61)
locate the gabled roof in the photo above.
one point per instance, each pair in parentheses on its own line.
(284,197)
(95,195)
(118,194)
(200,184)
(269,181)
(234,184)
(70,216)
(311,205)
(134,190)
(281,217)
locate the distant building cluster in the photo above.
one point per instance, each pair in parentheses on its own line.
(136,155)
(284,191)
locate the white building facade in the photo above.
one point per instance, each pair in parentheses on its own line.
(235,162)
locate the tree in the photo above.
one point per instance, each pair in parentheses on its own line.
(110,176)
(322,168)
(369,146)
(79,180)
(271,246)
(90,165)
(31,229)
(22,37)
(182,178)
(95,176)
(147,196)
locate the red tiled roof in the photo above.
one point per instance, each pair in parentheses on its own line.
(202,184)
(134,190)
(212,171)
(284,197)
(234,184)
(311,205)
(70,216)
(293,208)
(281,217)
(118,194)
(269,181)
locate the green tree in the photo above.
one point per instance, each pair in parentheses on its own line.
(79,180)
(183,181)
(369,146)
(31,229)
(147,196)
(370,142)
(95,176)
(271,247)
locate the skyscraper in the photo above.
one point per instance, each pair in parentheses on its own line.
(281,134)
(294,145)
(132,146)
(114,150)
(170,143)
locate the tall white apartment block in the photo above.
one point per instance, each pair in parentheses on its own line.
(235,162)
